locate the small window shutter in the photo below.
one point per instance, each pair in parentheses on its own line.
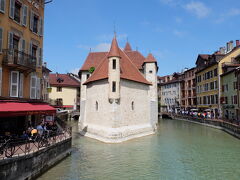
(33,84)
(14,84)
(40,26)
(30,49)
(10,41)
(1,39)
(2,5)
(31,20)
(38,88)
(24,15)
(0,81)
(23,45)
(40,57)
(21,85)
(12,8)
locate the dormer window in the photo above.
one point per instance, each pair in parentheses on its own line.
(114,63)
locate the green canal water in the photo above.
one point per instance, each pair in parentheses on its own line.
(178,151)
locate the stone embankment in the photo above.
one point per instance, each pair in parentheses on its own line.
(228,127)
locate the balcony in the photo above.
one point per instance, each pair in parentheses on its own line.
(19,60)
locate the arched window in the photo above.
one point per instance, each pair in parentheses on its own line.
(132,105)
(96,106)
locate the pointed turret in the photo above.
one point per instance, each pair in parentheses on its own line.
(114,50)
(150,59)
(127,47)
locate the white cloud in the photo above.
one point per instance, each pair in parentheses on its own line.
(178,20)
(75,71)
(178,33)
(170,2)
(102,47)
(231,13)
(198,8)
(98,48)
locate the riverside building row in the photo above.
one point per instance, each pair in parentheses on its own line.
(23,77)
(212,86)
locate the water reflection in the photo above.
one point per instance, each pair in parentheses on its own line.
(180,150)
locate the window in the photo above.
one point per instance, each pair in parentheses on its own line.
(34,86)
(114,63)
(35,23)
(96,106)
(212,99)
(24,15)
(14,84)
(1,39)
(59,89)
(216,99)
(216,84)
(59,101)
(215,72)
(132,105)
(226,100)
(17,10)
(114,86)
(2,6)
(211,85)
(88,75)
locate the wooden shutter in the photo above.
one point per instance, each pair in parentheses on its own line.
(1,39)
(21,79)
(0,81)
(38,88)
(24,15)
(40,26)
(12,8)
(33,85)
(31,20)
(14,83)
(40,57)
(10,41)
(2,6)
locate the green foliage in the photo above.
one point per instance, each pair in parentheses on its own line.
(92,69)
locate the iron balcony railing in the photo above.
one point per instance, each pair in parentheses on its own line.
(13,57)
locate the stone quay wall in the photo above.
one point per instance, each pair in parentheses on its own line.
(230,128)
(32,165)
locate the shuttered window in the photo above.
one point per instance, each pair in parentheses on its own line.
(21,81)
(14,84)
(40,57)
(2,5)
(10,40)
(31,20)
(40,26)
(0,81)
(33,87)
(24,15)
(11,8)
(38,89)
(1,39)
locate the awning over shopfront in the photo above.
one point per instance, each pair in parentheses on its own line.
(22,109)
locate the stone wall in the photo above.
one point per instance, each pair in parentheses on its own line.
(32,165)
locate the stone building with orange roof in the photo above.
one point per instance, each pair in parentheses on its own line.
(118,95)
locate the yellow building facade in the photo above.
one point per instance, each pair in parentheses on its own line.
(21,42)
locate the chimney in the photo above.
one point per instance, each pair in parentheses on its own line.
(222,50)
(227,47)
(231,46)
(237,43)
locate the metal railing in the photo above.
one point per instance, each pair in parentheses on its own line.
(20,147)
(15,57)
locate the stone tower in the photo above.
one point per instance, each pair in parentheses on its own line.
(150,72)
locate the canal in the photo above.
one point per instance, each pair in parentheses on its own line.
(178,151)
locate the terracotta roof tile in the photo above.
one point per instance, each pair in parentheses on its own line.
(127,47)
(114,50)
(150,59)
(63,80)
(128,70)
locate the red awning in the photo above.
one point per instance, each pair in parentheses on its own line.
(64,106)
(21,109)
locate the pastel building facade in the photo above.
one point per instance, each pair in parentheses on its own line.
(119,99)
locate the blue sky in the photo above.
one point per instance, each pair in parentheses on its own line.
(174,31)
